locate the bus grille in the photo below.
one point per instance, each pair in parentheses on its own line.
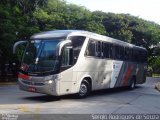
(33,83)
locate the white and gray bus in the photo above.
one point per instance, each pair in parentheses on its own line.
(64,62)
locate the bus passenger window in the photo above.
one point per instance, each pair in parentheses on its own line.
(107,50)
(77,43)
(98,49)
(135,55)
(102,51)
(111,51)
(121,51)
(91,48)
(128,54)
(117,52)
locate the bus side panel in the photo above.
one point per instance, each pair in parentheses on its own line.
(128,70)
(104,76)
(93,75)
(123,76)
(88,67)
(116,72)
(105,73)
(66,82)
(100,71)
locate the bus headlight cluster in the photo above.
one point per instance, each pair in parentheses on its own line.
(47,78)
(56,77)
(52,77)
(49,81)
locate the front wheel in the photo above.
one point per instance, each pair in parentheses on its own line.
(84,90)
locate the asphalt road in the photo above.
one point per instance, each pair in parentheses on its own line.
(144,99)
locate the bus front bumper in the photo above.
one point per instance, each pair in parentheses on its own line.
(47,87)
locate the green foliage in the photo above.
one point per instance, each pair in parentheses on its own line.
(154,63)
(22,18)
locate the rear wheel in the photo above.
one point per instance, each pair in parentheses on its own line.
(84,90)
(132,83)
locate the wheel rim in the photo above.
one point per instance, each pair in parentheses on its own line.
(132,85)
(83,90)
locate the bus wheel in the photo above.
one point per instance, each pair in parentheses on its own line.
(85,89)
(132,83)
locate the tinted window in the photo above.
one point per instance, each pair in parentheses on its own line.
(128,54)
(114,51)
(136,55)
(91,49)
(98,49)
(118,52)
(107,50)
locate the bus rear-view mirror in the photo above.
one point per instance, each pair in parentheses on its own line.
(17,44)
(61,45)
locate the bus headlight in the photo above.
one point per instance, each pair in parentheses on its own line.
(51,78)
(50,81)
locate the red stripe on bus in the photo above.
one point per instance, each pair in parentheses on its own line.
(128,74)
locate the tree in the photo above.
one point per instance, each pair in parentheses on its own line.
(22,18)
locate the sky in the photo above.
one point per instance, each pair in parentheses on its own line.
(145,9)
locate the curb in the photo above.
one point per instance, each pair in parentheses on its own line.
(7,83)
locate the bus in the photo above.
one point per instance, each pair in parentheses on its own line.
(62,62)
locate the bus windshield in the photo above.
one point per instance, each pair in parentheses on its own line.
(40,56)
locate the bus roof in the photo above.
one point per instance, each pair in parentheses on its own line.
(67,33)
(52,34)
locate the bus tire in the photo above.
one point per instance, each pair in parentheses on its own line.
(132,84)
(84,90)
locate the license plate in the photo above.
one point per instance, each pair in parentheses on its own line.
(32,89)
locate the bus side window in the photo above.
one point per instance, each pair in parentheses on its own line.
(121,52)
(91,49)
(111,55)
(128,54)
(107,50)
(135,55)
(102,51)
(98,49)
(77,43)
(118,52)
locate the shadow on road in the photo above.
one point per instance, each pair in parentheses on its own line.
(43,98)
(112,91)
(20,97)
(49,98)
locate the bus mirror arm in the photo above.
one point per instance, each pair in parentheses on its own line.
(61,45)
(17,44)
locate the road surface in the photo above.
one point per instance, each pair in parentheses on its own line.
(144,99)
